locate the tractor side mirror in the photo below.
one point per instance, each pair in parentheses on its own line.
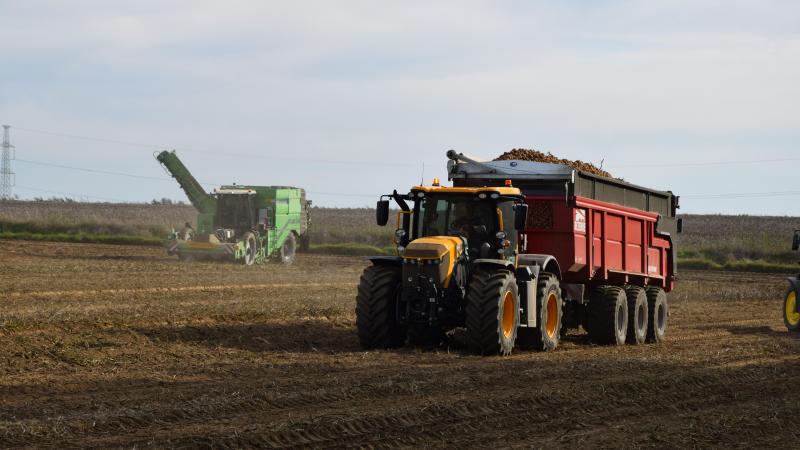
(520,216)
(796,240)
(382,212)
(680,225)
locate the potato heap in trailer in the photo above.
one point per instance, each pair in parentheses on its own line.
(515,252)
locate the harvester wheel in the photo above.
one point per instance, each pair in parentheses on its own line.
(608,316)
(548,315)
(637,314)
(376,308)
(658,312)
(288,249)
(250,248)
(492,312)
(791,318)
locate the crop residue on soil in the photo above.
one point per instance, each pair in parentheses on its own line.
(522,154)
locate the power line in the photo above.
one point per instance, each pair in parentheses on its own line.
(146,177)
(70,194)
(217,153)
(739,195)
(710,163)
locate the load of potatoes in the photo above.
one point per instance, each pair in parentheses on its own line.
(537,156)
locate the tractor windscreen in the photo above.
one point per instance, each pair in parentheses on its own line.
(457,215)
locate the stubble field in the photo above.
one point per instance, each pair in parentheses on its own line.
(115,346)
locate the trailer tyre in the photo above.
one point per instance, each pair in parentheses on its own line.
(791,318)
(549,316)
(608,316)
(289,249)
(250,248)
(376,308)
(638,317)
(658,312)
(492,312)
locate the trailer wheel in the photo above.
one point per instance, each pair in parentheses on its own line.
(791,318)
(288,249)
(657,315)
(492,312)
(250,248)
(637,315)
(548,317)
(376,308)
(608,316)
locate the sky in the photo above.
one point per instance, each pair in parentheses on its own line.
(352,99)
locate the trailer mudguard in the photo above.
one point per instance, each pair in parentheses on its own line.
(385,260)
(548,263)
(794,283)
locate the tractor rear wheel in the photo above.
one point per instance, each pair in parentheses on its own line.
(608,316)
(250,248)
(288,249)
(547,333)
(658,312)
(492,312)
(637,314)
(791,318)
(376,308)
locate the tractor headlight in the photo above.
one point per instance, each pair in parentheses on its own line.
(482,195)
(495,196)
(399,233)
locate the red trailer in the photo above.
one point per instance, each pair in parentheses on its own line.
(600,236)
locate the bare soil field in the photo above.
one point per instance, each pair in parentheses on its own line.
(115,346)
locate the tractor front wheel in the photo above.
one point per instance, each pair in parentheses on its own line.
(492,312)
(376,308)
(791,318)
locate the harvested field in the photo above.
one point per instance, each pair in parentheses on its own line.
(115,346)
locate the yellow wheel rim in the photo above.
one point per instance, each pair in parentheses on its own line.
(552,314)
(792,316)
(508,314)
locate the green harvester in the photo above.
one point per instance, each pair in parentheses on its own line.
(251,224)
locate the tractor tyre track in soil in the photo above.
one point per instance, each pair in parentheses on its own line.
(150,352)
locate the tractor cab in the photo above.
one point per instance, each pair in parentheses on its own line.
(482,220)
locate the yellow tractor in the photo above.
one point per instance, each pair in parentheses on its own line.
(457,266)
(791,307)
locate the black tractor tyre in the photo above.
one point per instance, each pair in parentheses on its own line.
(608,316)
(288,249)
(250,248)
(658,312)
(492,312)
(791,318)
(376,308)
(638,316)
(547,333)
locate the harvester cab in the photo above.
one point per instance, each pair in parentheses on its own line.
(455,266)
(791,307)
